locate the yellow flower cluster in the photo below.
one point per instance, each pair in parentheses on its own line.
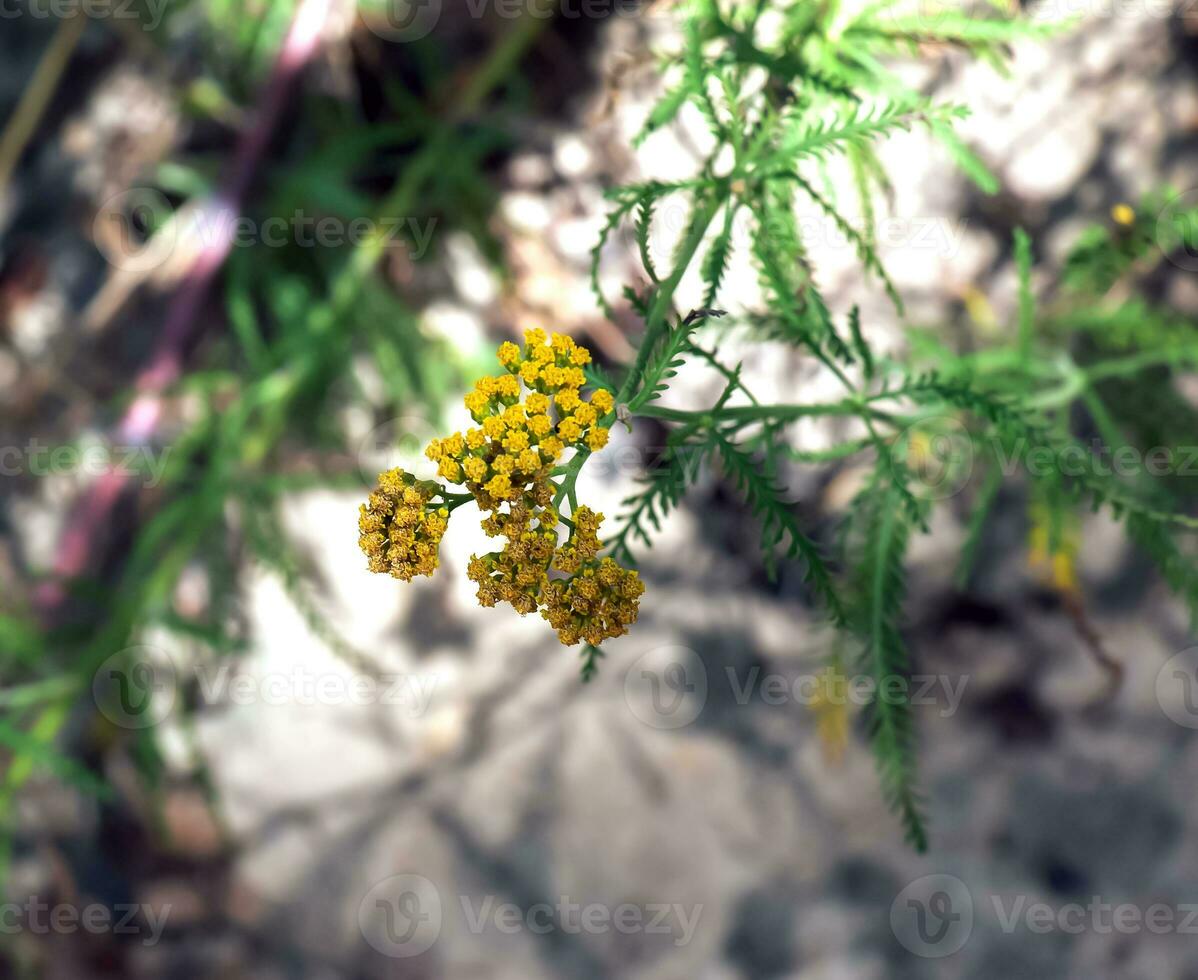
(526,420)
(518,573)
(399,529)
(600,598)
(595,599)
(518,442)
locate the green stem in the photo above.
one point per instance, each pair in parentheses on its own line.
(1122,366)
(655,323)
(658,319)
(758,413)
(455,500)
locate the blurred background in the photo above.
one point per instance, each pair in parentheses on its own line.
(252,253)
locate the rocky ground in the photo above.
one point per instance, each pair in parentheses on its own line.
(477,812)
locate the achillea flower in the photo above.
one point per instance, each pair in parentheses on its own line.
(597,439)
(508,353)
(399,529)
(506,464)
(599,598)
(600,601)
(583,543)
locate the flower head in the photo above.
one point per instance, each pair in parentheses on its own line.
(602,600)
(506,465)
(399,528)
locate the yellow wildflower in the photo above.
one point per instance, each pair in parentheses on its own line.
(507,386)
(499,486)
(476,403)
(399,530)
(475,468)
(515,441)
(597,438)
(506,464)
(567,399)
(508,354)
(569,430)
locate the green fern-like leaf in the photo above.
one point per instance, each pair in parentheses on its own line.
(779,529)
(880,580)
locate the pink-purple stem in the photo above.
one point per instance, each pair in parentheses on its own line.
(93,511)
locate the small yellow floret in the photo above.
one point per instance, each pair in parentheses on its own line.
(475,468)
(508,353)
(567,399)
(515,441)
